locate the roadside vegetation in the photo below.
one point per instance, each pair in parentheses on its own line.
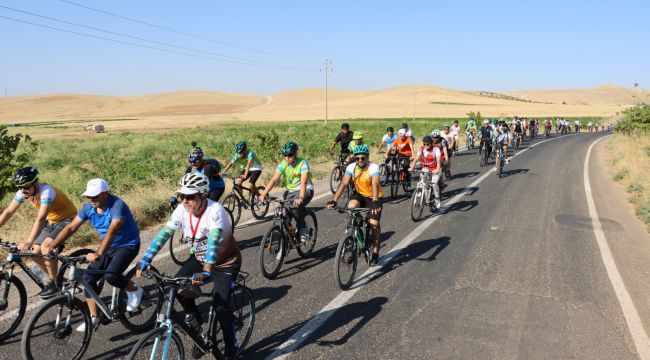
(630,150)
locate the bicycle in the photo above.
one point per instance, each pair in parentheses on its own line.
(423,195)
(236,199)
(338,171)
(180,247)
(164,342)
(282,236)
(356,242)
(469,141)
(399,177)
(8,282)
(54,322)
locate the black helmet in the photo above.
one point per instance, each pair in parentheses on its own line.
(345,126)
(25,176)
(390,128)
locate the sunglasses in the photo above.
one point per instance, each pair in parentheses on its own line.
(360,158)
(188,197)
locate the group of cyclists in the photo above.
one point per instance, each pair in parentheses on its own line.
(205,222)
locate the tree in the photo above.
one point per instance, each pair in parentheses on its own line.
(11,159)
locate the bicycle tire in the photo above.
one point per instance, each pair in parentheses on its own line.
(61,334)
(417,204)
(240,300)
(335,178)
(140,321)
(177,250)
(345,258)
(272,248)
(232,203)
(14,283)
(258,209)
(305,249)
(156,336)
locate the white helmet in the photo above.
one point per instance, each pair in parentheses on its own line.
(192,183)
(401,132)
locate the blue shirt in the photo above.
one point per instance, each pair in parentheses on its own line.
(116,208)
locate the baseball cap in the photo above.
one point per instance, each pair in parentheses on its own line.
(95,187)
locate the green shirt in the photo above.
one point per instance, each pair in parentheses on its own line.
(291,174)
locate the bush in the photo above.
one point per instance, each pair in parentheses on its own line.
(11,158)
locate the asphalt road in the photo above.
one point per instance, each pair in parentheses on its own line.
(509,270)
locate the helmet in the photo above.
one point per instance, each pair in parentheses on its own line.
(486,121)
(289,148)
(345,126)
(195,155)
(390,128)
(362,149)
(25,176)
(192,183)
(435,133)
(401,132)
(358,135)
(427,139)
(240,147)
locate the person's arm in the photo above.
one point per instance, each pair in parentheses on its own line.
(65,234)
(9,212)
(39,224)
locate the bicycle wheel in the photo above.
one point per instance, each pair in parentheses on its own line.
(143,318)
(305,248)
(179,248)
(52,330)
(259,209)
(232,203)
(335,178)
(151,346)
(417,204)
(61,275)
(345,262)
(242,304)
(15,301)
(272,252)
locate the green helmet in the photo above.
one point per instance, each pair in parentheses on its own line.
(362,149)
(240,147)
(289,148)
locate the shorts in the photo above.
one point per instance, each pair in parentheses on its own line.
(366,202)
(51,230)
(253,175)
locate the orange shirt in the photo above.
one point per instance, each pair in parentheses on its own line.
(404,145)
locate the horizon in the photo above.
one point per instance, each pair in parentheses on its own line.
(150,47)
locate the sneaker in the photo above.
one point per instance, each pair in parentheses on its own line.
(374,259)
(48,291)
(133,299)
(93,320)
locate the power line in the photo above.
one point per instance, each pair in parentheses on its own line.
(186,33)
(147,46)
(156,42)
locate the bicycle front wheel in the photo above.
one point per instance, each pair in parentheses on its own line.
(259,209)
(143,318)
(152,346)
(232,203)
(417,204)
(242,304)
(306,247)
(179,248)
(51,330)
(272,252)
(345,262)
(16,300)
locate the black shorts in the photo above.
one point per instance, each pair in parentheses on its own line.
(366,202)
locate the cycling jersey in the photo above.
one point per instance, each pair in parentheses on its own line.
(61,207)
(363,179)
(389,139)
(428,157)
(291,174)
(242,162)
(404,146)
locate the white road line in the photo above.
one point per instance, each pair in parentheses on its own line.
(639,336)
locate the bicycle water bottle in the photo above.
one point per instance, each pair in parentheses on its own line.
(40,274)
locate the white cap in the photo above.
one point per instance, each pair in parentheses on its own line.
(401,132)
(95,187)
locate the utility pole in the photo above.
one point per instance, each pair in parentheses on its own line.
(328,64)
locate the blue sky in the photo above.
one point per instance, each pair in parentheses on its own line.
(477,45)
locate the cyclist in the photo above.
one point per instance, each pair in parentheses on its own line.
(430,158)
(367,193)
(55,211)
(120,236)
(296,176)
(344,138)
(485,135)
(208,167)
(450,144)
(250,167)
(207,225)
(455,131)
(387,139)
(403,145)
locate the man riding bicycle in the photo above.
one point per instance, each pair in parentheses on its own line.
(344,138)
(430,158)
(296,176)
(55,212)
(208,167)
(403,145)
(367,193)
(206,225)
(250,167)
